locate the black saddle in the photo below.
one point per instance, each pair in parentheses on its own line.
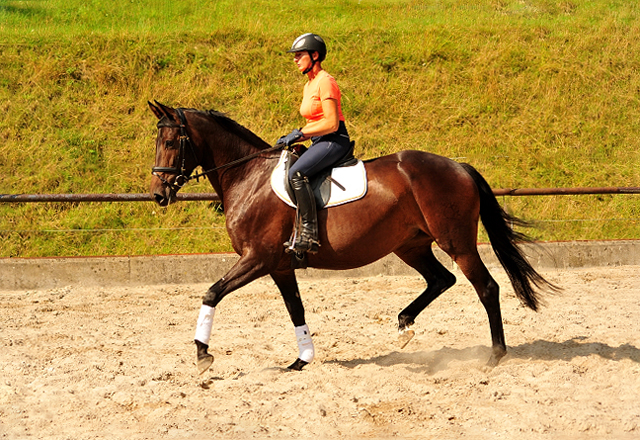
(321,183)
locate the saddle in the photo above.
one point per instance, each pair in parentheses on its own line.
(345,182)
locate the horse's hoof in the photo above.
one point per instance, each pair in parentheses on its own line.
(493,362)
(204,362)
(495,358)
(298,365)
(405,336)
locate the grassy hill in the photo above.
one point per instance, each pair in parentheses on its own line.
(532,93)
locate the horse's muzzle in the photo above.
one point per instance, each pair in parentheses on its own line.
(161,200)
(163,194)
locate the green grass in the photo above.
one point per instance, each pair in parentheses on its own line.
(532,93)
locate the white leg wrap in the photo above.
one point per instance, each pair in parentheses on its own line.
(305,344)
(205,322)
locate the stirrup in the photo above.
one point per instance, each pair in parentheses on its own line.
(300,243)
(300,246)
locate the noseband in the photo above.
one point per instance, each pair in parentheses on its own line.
(181,173)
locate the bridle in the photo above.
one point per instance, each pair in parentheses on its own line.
(181,173)
(181,177)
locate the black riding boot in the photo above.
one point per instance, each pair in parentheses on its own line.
(306,235)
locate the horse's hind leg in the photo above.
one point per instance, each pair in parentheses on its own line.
(489,293)
(420,256)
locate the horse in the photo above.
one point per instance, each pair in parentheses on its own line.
(414,199)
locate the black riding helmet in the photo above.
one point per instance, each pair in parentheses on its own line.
(310,43)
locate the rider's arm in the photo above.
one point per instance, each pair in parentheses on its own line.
(328,124)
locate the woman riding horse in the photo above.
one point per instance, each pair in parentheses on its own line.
(326,129)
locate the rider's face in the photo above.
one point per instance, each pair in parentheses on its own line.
(302,60)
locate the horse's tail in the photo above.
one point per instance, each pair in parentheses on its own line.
(504,242)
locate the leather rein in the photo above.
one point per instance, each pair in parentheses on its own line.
(181,173)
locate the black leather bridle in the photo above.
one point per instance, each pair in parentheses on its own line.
(181,177)
(181,173)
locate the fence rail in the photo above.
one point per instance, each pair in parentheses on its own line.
(566,191)
(25,198)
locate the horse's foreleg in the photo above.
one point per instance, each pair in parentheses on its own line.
(286,282)
(203,334)
(242,273)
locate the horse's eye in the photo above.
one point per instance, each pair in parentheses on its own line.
(168,143)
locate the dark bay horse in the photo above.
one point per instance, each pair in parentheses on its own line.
(414,198)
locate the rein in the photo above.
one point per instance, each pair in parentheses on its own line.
(236,162)
(180,173)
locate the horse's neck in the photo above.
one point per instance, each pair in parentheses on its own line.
(226,142)
(241,178)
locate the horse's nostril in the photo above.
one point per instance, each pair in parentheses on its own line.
(160,199)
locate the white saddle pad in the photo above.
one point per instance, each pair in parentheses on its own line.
(353,179)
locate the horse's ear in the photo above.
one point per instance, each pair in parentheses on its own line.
(156,110)
(161,110)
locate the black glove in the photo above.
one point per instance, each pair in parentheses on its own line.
(291,138)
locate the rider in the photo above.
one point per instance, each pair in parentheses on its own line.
(325,127)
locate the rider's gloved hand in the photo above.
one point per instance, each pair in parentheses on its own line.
(292,137)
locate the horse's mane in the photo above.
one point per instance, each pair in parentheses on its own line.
(233,127)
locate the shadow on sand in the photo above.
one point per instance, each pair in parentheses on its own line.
(431,362)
